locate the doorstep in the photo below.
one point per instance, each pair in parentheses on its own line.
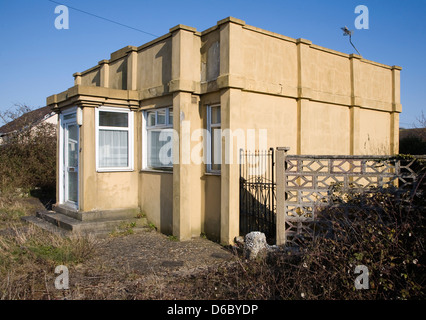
(66,225)
(97,215)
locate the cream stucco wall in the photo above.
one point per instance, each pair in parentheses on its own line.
(277,115)
(374,139)
(102,190)
(325,128)
(268,60)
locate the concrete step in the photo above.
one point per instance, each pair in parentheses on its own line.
(65,225)
(97,215)
(43,224)
(59,220)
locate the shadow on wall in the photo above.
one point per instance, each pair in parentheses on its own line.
(166,204)
(165,55)
(212,207)
(122,72)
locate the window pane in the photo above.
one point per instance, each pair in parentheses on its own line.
(151,119)
(215,115)
(216,149)
(161,117)
(171,116)
(70,116)
(113,119)
(72,186)
(72,146)
(113,148)
(160,148)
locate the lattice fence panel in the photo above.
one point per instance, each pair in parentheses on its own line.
(311,181)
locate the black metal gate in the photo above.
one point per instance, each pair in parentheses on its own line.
(257,193)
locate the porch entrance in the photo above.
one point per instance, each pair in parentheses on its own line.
(69,161)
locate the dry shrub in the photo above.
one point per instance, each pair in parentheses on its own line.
(382,230)
(12,208)
(28,157)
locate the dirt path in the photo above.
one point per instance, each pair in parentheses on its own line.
(145,265)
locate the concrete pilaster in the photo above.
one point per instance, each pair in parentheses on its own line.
(354,136)
(186,118)
(231,69)
(396,109)
(77,78)
(229,210)
(303,87)
(132,68)
(185,59)
(104,73)
(182,184)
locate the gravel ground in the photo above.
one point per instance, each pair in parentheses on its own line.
(151,251)
(144,265)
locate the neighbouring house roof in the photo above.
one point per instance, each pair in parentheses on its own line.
(28,119)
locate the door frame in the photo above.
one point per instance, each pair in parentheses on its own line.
(62,157)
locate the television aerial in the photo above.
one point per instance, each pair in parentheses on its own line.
(347,32)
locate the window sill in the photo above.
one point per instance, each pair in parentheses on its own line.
(69,205)
(155,171)
(114,170)
(212,174)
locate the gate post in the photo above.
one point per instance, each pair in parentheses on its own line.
(281,196)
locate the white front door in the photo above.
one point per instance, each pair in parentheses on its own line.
(70,152)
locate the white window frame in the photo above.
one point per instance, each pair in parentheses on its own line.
(156,127)
(130,130)
(211,126)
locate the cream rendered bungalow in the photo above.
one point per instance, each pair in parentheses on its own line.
(125,115)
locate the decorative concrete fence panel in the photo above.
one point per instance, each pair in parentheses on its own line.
(306,183)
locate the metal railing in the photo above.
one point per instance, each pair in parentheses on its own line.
(258,193)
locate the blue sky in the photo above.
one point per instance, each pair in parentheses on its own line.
(37,60)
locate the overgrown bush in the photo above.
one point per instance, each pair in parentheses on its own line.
(412,145)
(385,234)
(382,230)
(28,159)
